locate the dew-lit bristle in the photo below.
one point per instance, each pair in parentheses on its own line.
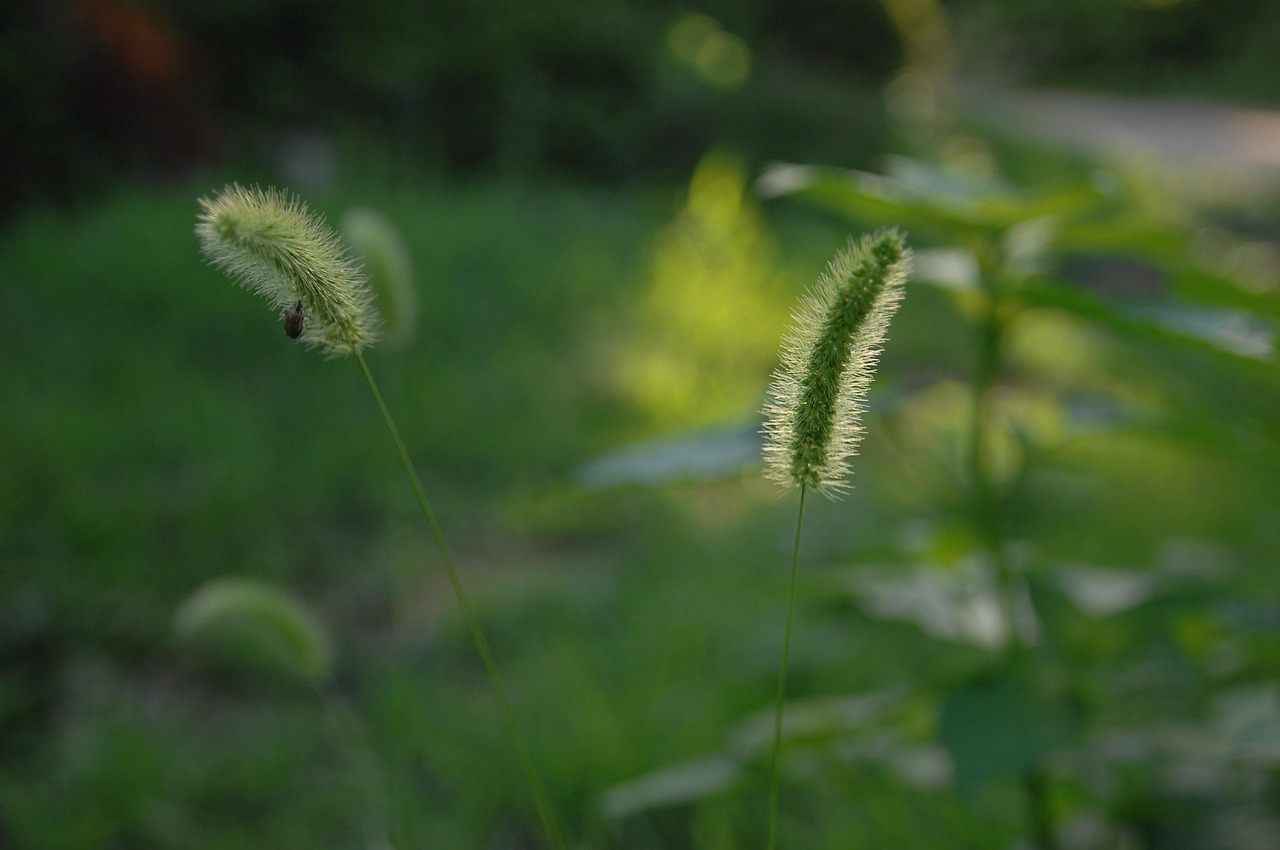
(270,243)
(829,356)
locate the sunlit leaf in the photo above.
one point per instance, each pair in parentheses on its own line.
(957,604)
(918,196)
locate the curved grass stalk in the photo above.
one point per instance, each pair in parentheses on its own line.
(545,814)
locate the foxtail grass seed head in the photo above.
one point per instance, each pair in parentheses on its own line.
(818,394)
(269,242)
(378,244)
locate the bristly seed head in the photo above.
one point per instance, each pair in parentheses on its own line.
(270,243)
(829,356)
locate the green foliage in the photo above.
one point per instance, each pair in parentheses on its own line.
(98,90)
(1154,46)
(999,729)
(1077,431)
(161,430)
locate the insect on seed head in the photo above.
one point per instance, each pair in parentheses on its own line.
(294,321)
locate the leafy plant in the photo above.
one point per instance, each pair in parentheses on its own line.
(1020,712)
(1073,622)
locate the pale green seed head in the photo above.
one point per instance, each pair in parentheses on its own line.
(818,394)
(251,625)
(269,242)
(378,243)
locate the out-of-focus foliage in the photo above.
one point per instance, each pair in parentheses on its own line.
(1223,47)
(582,392)
(693,350)
(1086,515)
(607,90)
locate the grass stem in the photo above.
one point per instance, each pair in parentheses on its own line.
(782,680)
(549,825)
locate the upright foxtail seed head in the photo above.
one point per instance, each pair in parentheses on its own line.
(270,243)
(818,394)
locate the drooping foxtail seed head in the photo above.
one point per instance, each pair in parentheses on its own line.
(270,243)
(829,356)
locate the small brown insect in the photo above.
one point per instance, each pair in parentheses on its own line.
(294,321)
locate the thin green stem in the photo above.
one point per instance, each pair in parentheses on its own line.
(1037,788)
(988,502)
(549,825)
(349,737)
(989,510)
(782,680)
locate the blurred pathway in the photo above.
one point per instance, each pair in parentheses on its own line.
(1179,133)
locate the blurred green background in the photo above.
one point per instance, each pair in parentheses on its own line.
(1046,616)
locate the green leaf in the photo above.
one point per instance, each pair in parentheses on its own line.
(1125,233)
(814,722)
(1229,339)
(682,783)
(999,729)
(702,456)
(919,196)
(1207,287)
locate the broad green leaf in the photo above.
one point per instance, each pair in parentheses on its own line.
(814,721)
(920,197)
(1239,344)
(682,783)
(999,729)
(1208,287)
(704,456)
(1126,234)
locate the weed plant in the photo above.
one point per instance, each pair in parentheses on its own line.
(274,246)
(812,424)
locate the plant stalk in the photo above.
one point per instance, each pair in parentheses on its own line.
(989,515)
(772,841)
(549,825)
(988,507)
(1037,788)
